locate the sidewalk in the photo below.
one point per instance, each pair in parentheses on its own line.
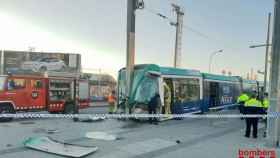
(229,142)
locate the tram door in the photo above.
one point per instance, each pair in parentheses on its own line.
(168,95)
(214,94)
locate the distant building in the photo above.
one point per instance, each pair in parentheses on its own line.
(101,85)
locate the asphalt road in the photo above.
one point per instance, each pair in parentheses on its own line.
(173,138)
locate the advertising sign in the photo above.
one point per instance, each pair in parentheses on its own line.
(22,61)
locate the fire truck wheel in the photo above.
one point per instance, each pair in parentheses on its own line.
(6,109)
(69,108)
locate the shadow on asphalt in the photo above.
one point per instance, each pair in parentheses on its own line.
(133,124)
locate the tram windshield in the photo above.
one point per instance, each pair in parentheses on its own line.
(143,86)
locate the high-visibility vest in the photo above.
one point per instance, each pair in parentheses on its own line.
(265,103)
(253,103)
(242,98)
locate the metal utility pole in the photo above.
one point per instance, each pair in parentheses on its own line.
(2,62)
(179,32)
(274,97)
(132,5)
(266,52)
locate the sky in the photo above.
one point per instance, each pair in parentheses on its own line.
(97,30)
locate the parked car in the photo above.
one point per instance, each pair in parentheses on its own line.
(44,64)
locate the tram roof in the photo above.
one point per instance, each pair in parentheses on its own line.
(179,72)
(220,77)
(188,72)
(168,70)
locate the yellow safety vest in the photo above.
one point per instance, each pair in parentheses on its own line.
(253,103)
(242,98)
(265,103)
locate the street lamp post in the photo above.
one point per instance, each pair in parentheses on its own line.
(211,58)
(267,45)
(261,72)
(260,45)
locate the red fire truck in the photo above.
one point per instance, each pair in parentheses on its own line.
(55,93)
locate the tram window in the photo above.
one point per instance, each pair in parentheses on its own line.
(226,89)
(249,87)
(187,90)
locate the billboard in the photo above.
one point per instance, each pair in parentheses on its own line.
(24,61)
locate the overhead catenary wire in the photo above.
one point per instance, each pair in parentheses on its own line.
(191,29)
(217,41)
(171,21)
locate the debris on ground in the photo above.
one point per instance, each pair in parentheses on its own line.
(52,131)
(49,145)
(101,136)
(91,119)
(178,141)
(47,131)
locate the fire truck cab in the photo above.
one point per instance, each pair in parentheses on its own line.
(42,93)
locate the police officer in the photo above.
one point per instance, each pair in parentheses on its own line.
(252,107)
(241,101)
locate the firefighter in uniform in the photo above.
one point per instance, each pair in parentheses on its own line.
(112,102)
(241,101)
(167,99)
(252,107)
